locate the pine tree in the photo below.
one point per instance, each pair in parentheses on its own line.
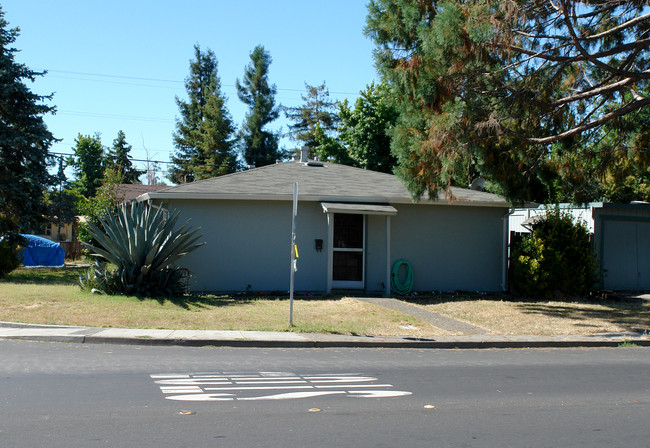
(119,159)
(316,115)
(522,93)
(24,142)
(260,147)
(204,136)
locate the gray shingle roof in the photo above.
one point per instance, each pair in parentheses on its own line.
(128,192)
(330,182)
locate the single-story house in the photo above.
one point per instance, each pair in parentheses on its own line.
(352,226)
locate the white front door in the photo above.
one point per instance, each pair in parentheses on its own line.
(348,251)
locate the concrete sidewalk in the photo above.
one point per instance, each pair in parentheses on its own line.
(89,335)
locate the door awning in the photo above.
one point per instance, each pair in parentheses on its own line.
(359,209)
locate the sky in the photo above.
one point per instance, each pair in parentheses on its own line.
(118,65)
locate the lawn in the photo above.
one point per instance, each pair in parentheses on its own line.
(512,315)
(52,296)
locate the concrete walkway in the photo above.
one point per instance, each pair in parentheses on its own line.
(89,335)
(435,319)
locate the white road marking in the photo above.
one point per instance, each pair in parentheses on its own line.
(244,386)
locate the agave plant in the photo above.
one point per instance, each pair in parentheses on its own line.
(143,244)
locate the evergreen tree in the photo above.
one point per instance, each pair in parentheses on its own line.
(24,142)
(518,92)
(316,115)
(260,146)
(119,159)
(365,130)
(88,163)
(204,136)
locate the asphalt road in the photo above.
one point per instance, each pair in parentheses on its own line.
(79,395)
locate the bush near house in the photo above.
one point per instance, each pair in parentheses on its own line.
(557,257)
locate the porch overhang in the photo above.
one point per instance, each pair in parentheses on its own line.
(332,208)
(358,208)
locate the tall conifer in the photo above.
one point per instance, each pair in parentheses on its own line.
(24,142)
(260,146)
(120,159)
(204,136)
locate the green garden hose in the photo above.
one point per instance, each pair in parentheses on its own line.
(405,287)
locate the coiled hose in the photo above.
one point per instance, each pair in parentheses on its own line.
(397,286)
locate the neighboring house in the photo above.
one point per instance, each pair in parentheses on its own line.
(521,218)
(352,226)
(66,232)
(129,192)
(621,238)
(54,231)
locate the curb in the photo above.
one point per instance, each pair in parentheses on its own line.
(89,335)
(441,345)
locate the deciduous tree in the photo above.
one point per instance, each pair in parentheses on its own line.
(364,129)
(88,164)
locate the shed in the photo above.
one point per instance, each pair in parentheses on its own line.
(353,225)
(622,244)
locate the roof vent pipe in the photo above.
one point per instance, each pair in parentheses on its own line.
(304,154)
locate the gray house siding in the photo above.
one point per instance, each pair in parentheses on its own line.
(248,243)
(247,246)
(622,244)
(450,247)
(376,253)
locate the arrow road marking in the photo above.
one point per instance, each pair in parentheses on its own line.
(288,386)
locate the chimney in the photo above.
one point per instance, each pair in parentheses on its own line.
(304,154)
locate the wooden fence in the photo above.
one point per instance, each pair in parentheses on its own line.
(72,249)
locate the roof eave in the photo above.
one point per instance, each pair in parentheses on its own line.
(314,198)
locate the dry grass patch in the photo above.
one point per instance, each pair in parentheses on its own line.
(51,297)
(546,317)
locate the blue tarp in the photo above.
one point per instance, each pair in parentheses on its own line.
(42,252)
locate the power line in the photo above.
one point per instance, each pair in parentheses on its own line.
(60,154)
(169,151)
(114,116)
(105,75)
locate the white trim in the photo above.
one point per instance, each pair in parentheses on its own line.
(347,284)
(330,246)
(388,270)
(358,209)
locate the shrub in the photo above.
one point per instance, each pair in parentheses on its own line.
(142,246)
(9,259)
(556,257)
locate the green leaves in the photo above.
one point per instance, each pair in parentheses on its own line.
(144,244)
(556,257)
(534,81)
